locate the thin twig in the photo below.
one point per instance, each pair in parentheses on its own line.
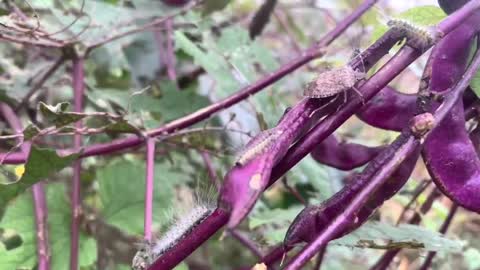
(150,168)
(210,169)
(443,230)
(293,191)
(142,28)
(416,193)
(246,242)
(321,254)
(40,82)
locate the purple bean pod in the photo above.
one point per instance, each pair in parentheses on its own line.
(452,161)
(246,181)
(342,155)
(313,219)
(449,153)
(449,57)
(389,109)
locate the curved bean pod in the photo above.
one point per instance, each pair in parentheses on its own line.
(389,109)
(313,219)
(342,155)
(452,161)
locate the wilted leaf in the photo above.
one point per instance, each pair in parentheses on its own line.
(378,235)
(30,131)
(121,126)
(58,115)
(19,216)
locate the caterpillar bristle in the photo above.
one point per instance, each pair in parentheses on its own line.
(419,36)
(192,207)
(182,226)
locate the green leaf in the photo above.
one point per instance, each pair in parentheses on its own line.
(172,105)
(309,171)
(276,216)
(122,192)
(475,84)
(233,61)
(20,217)
(41,163)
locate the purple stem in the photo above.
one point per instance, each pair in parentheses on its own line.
(149,189)
(38,192)
(440,114)
(78,91)
(170,53)
(220,218)
(457,17)
(342,221)
(418,190)
(443,230)
(311,53)
(326,127)
(246,242)
(191,241)
(321,254)
(387,258)
(41,82)
(211,171)
(395,65)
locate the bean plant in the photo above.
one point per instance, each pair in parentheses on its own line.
(120,117)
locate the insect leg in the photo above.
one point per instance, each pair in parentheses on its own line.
(355,89)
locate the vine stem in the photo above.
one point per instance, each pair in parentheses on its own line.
(416,193)
(388,256)
(150,168)
(78,91)
(219,218)
(348,215)
(58,63)
(210,169)
(215,221)
(311,53)
(38,193)
(344,219)
(245,241)
(443,229)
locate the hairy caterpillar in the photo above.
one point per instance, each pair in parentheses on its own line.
(184,221)
(258,145)
(418,36)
